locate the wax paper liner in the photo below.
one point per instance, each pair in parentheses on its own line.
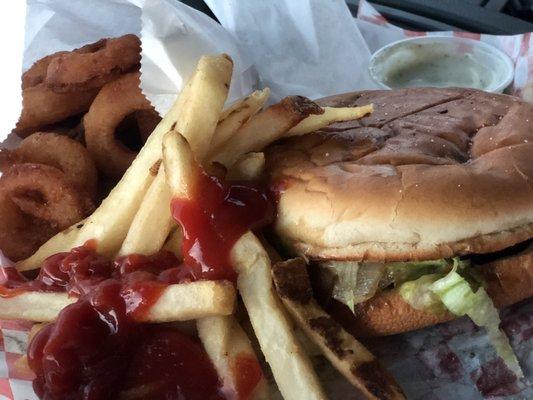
(174,37)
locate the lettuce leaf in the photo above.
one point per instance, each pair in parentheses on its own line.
(459,298)
(436,286)
(355,282)
(418,294)
(400,272)
(346,280)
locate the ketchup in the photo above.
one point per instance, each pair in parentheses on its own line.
(175,365)
(77,272)
(218,214)
(97,349)
(248,374)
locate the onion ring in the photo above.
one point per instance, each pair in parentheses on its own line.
(146,121)
(41,106)
(36,201)
(116,101)
(36,74)
(71,127)
(93,65)
(8,158)
(65,154)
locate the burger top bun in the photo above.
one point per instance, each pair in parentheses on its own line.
(431,173)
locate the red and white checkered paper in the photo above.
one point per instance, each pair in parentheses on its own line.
(15,383)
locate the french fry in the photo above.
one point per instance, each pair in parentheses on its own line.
(204,97)
(330,115)
(34,306)
(21,365)
(60,242)
(265,127)
(35,329)
(290,365)
(249,167)
(153,221)
(222,337)
(181,302)
(235,116)
(181,165)
(110,223)
(174,241)
(200,113)
(346,354)
(227,345)
(259,96)
(187,301)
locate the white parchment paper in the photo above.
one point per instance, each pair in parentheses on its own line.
(306,47)
(54,25)
(174,37)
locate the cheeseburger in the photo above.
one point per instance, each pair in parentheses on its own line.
(416,214)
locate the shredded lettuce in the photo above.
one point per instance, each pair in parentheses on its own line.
(355,282)
(418,295)
(459,292)
(346,280)
(459,298)
(436,286)
(400,272)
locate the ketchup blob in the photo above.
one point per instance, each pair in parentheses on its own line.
(79,271)
(248,374)
(218,214)
(95,351)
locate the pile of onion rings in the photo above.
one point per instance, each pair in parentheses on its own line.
(48,184)
(89,103)
(65,83)
(59,89)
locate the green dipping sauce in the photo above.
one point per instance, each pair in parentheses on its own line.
(442,64)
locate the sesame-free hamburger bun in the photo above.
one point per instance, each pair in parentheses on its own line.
(430,174)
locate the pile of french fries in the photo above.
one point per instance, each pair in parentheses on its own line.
(135,218)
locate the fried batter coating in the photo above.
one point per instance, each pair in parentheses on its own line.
(93,65)
(42,106)
(116,101)
(36,201)
(65,154)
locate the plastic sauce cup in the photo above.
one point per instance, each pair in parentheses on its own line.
(441,61)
